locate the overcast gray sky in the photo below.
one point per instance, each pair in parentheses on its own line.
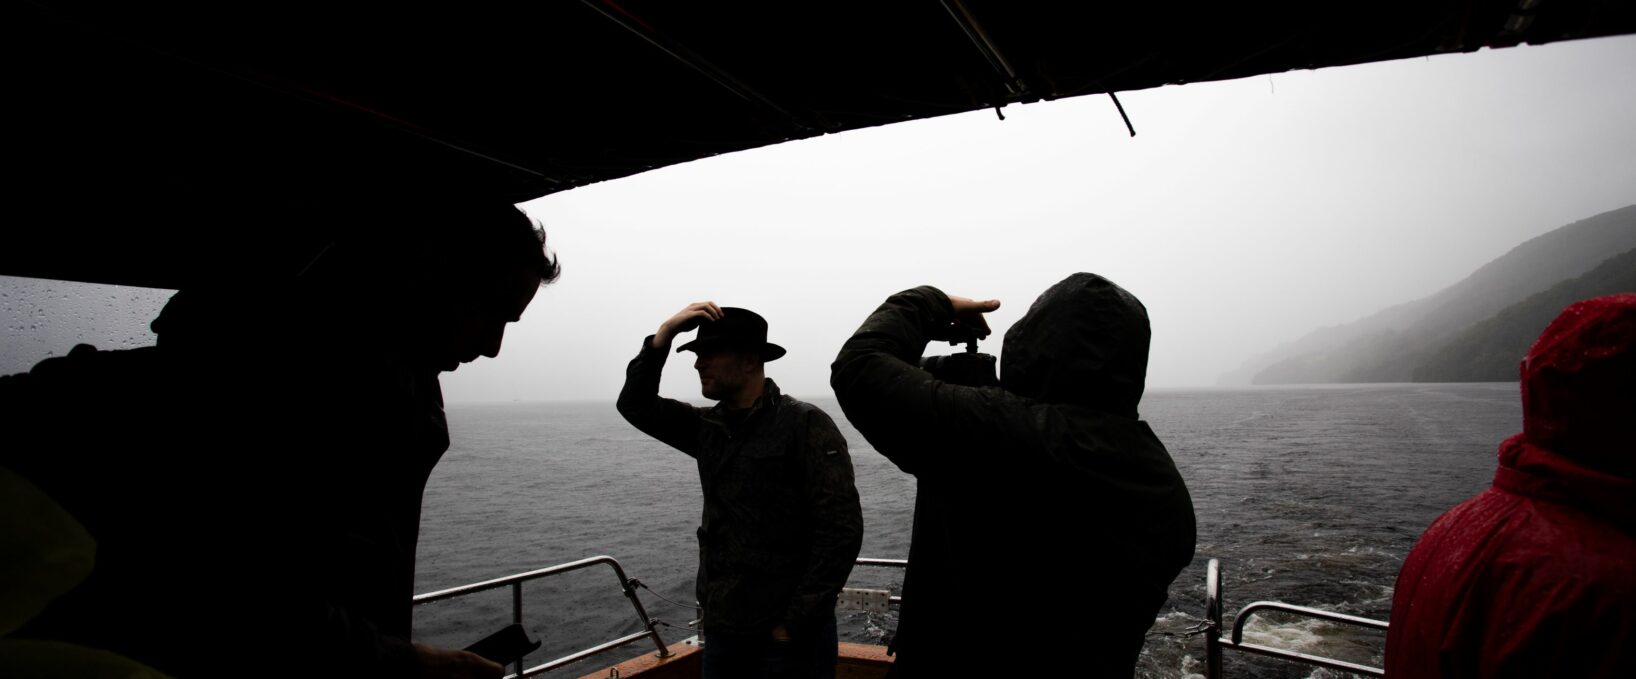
(1244,214)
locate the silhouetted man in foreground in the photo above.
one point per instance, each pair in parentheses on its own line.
(1536,577)
(253,482)
(1049,520)
(782,524)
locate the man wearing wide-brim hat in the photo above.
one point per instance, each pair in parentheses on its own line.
(782,525)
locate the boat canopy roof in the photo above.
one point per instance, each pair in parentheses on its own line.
(173,144)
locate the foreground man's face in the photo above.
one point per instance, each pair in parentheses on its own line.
(477,327)
(721,373)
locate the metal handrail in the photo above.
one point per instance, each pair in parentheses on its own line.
(515,582)
(1213,644)
(1245,613)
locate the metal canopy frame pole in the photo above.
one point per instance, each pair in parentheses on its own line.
(979,39)
(676,50)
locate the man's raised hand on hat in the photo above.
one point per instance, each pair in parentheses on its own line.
(687,319)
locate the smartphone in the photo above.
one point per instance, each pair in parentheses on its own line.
(506,646)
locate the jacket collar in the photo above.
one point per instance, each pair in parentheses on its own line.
(1532,471)
(769,399)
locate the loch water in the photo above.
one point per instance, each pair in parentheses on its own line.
(1310,495)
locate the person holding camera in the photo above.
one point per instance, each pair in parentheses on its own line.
(1048,516)
(782,524)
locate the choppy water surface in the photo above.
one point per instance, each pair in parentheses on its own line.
(1307,495)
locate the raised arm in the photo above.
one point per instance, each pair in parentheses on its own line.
(673,422)
(908,415)
(924,425)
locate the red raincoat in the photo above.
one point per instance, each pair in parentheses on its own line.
(1536,577)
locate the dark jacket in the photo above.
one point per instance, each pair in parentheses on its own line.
(1049,521)
(782,524)
(1536,576)
(254,496)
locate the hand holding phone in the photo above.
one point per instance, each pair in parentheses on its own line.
(506,646)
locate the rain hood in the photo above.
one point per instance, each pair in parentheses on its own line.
(1085,341)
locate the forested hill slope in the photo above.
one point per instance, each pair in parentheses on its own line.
(1392,344)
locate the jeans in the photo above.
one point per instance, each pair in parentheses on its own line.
(810,655)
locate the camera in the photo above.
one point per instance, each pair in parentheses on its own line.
(970,368)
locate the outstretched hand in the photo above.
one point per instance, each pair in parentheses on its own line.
(448,663)
(687,319)
(969,312)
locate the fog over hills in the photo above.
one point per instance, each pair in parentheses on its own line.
(1427,339)
(1489,351)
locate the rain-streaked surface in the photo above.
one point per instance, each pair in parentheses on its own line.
(44,318)
(1307,495)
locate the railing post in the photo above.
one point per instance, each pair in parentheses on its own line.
(652,626)
(1212,615)
(517,617)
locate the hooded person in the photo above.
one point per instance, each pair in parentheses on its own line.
(1017,484)
(1533,577)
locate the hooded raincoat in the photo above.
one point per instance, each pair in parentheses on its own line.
(1049,519)
(1536,576)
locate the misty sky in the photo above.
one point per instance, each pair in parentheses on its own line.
(1243,214)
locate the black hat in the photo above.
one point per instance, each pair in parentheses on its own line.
(737,328)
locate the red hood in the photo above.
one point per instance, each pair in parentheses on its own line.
(1532,471)
(1579,386)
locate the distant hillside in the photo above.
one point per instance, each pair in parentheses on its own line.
(1389,345)
(1490,350)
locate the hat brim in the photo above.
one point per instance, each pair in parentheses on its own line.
(769,351)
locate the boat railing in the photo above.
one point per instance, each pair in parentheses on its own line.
(515,583)
(851,599)
(1214,644)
